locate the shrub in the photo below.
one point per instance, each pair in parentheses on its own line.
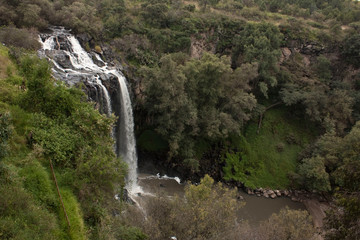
(98,49)
(21,218)
(351,49)
(280,147)
(190,7)
(5,132)
(23,38)
(38,182)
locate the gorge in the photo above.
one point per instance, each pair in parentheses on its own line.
(247,101)
(106,86)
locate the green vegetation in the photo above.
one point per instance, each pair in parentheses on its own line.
(197,99)
(41,121)
(205,74)
(267,158)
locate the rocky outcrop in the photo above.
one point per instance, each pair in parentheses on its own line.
(126,197)
(285,54)
(312,48)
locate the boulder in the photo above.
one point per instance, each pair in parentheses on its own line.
(312,48)
(273,195)
(295,199)
(239,197)
(285,54)
(61,58)
(250,191)
(107,53)
(266,195)
(96,61)
(278,193)
(84,38)
(286,193)
(126,198)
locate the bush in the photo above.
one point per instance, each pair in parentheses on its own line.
(190,7)
(5,132)
(98,49)
(351,49)
(38,182)
(280,147)
(23,38)
(287,224)
(20,218)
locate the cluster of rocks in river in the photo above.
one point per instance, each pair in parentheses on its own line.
(295,195)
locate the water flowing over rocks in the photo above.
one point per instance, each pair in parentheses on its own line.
(104,84)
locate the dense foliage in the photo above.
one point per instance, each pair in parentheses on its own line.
(41,121)
(205,97)
(265,93)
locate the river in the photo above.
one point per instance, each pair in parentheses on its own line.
(256,209)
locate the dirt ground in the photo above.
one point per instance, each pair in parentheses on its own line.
(317,211)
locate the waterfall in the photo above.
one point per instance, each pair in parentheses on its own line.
(127,144)
(73,64)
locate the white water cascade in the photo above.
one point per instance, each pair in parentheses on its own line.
(73,64)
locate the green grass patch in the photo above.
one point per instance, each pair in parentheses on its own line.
(77,229)
(37,181)
(266,159)
(6,66)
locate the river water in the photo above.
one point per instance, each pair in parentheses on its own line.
(256,209)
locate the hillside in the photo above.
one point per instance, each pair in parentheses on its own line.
(257,94)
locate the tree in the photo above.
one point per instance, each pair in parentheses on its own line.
(259,43)
(320,102)
(81,17)
(168,104)
(323,68)
(287,224)
(5,133)
(155,13)
(197,99)
(205,3)
(208,211)
(343,222)
(351,49)
(315,176)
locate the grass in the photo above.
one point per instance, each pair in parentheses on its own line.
(6,66)
(77,228)
(272,154)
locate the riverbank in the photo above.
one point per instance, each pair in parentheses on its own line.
(317,211)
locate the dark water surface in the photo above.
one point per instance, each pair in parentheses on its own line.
(258,209)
